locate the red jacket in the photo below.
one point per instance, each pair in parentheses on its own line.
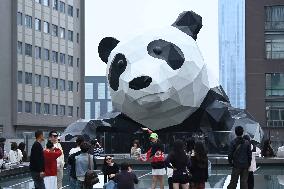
(50,164)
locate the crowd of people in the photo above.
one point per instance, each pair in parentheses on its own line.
(186,165)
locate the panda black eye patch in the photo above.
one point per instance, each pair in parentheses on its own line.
(117,67)
(166,51)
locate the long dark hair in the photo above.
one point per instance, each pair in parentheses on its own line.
(200,154)
(178,153)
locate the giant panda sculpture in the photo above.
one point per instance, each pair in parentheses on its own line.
(159,80)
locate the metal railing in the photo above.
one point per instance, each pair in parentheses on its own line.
(274,25)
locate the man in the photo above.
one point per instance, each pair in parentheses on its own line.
(53,137)
(240,158)
(71,161)
(126,178)
(37,161)
(2,145)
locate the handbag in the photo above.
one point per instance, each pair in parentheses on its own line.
(91,177)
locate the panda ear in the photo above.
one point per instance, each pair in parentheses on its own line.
(106,45)
(189,22)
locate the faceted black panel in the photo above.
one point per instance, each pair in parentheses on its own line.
(140,82)
(166,51)
(106,45)
(190,23)
(117,67)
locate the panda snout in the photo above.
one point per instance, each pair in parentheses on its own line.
(140,82)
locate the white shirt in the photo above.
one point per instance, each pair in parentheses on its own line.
(60,159)
(74,150)
(15,156)
(253,162)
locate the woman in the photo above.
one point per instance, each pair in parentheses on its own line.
(180,164)
(22,147)
(109,170)
(267,150)
(15,155)
(135,149)
(50,165)
(199,167)
(156,154)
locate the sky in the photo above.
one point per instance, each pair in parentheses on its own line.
(125,18)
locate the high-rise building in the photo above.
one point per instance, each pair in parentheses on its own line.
(42,64)
(97,97)
(265,64)
(232,50)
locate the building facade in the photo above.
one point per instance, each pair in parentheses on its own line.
(42,64)
(232,50)
(97,97)
(264,57)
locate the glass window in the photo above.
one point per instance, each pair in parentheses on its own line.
(28,49)
(78,62)
(20,18)
(20,47)
(101,90)
(78,86)
(54,30)
(78,12)
(46,54)
(62,84)
(28,21)
(20,106)
(70,35)
(70,86)
(89,91)
(46,81)
(37,52)
(45,2)
(38,1)
(54,83)
(274,18)
(37,108)
(274,84)
(45,27)
(61,6)
(37,24)
(28,107)
(78,37)
(55,4)
(54,56)
(109,106)
(70,10)
(46,109)
(62,110)
(28,78)
(20,77)
(87,110)
(70,110)
(62,58)
(78,111)
(274,44)
(54,109)
(62,33)
(70,60)
(97,110)
(37,80)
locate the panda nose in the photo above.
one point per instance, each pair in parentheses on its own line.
(140,82)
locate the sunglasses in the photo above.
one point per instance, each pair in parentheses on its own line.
(55,135)
(108,158)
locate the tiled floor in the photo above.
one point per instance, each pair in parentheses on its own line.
(267,177)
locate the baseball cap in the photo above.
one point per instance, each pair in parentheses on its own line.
(154,135)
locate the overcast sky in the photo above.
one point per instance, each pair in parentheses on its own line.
(124,18)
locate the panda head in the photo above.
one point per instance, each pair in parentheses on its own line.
(159,78)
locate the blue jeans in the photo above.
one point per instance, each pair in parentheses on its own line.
(72,183)
(110,185)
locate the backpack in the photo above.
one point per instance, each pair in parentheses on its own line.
(91,177)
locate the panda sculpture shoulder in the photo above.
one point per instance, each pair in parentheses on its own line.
(160,80)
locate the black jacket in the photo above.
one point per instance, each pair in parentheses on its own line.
(125,180)
(198,170)
(240,153)
(36,158)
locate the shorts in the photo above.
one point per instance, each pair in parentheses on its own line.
(159,171)
(180,177)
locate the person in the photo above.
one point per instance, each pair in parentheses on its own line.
(180,163)
(83,163)
(126,178)
(109,170)
(50,165)
(15,155)
(199,166)
(98,149)
(255,152)
(267,150)
(156,154)
(71,161)
(22,147)
(2,144)
(53,137)
(37,161)
(135,151)
(240,158)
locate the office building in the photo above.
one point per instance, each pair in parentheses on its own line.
(97,97)
(232,50)
(42,64)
